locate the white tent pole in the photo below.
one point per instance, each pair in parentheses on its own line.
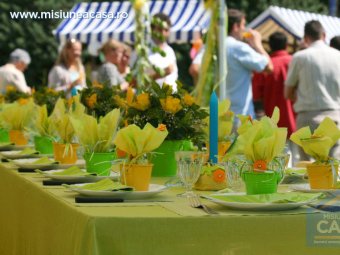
(222,53)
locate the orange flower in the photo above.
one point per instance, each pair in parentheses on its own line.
(120,153)
(260,165)
(219,175)
(161,127)
(188,100)
(129,96)
(22,101)
(91,100)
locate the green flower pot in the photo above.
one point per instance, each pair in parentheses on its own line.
(164,164)
(43,144)
(4,136)
(99,162)
(261,183)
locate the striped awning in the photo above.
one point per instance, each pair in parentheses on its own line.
(188,18)
(292,22)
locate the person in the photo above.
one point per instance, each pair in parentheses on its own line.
(68,73)
(313,82)
(335,42)
(12,73)
(167,63)
(108,72)
(123,65)
(268,89)
(243,58)
(195,66)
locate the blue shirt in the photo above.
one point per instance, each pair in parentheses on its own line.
(242,61)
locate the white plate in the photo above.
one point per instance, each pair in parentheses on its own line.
(88,178)
(16,155)
(154,189)
(27,164)
(8,147)
(256,206)
(306,188)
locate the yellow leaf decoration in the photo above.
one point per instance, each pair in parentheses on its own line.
(136,141)
(320,142)
(42,123)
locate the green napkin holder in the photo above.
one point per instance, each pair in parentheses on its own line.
(4,136)
(43,144)
(261,182)
(99,163)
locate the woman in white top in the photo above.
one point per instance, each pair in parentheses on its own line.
(68,74)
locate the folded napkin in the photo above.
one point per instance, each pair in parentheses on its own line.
(28,151)
(82,199)
(290,197)
(73,171)
(104,185)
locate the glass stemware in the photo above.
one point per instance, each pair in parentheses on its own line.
(189,165)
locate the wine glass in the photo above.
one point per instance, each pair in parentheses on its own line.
(189,165)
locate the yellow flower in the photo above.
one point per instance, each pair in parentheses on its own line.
(188,100)
(96,84)
(142,102)
(171,104)
(120,102)
(10,88)
(161,127)
(129,96)
(91,101)
(22,101)
(138,4)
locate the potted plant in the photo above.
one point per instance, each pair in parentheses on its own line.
(183,118)
(322,174)
(47,96)
(43,130)
(16,117)
(65,150)
(96,137)
(260,145)
(138,143)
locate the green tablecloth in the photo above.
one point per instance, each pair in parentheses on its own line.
(37,219)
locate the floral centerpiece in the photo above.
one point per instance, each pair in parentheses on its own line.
(138,143)
(99,99)
(16,117)
(260,145)
(47,96)
(12,94)
(183,118)
(96,137)
(322,174)
(64,147)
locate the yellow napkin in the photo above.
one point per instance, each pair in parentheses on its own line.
(28,151)
(320,142)
(136,141)
(262,140)
(44,160)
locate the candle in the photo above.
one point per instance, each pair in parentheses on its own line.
(213,128)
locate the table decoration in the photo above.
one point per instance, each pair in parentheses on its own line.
(16,117)
(322,174)
(96,137)
(65,150)
(47,96)
(213,129)
(138,144)
(183,118)
(261,143)
(212,177)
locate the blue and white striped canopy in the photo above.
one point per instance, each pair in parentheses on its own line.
(188,18)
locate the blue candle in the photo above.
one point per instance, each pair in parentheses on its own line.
(213,128)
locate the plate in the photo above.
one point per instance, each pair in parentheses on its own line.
(245,206)
(306,188)
(154,189)
(10,146)
(27,164)
(81,178)
(15,155)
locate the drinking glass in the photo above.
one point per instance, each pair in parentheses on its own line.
(189,165)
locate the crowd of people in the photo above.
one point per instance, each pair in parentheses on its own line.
(305,86)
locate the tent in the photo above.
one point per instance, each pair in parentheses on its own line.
(188,17)
(292,23)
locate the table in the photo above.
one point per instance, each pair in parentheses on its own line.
(37,219)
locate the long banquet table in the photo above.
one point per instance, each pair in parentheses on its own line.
(37,219)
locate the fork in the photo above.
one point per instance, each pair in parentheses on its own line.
(195,202)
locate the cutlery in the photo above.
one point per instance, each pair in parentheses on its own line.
(195,202)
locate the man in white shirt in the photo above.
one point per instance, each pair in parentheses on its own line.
(11,74)
(166,63)
(313,82)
